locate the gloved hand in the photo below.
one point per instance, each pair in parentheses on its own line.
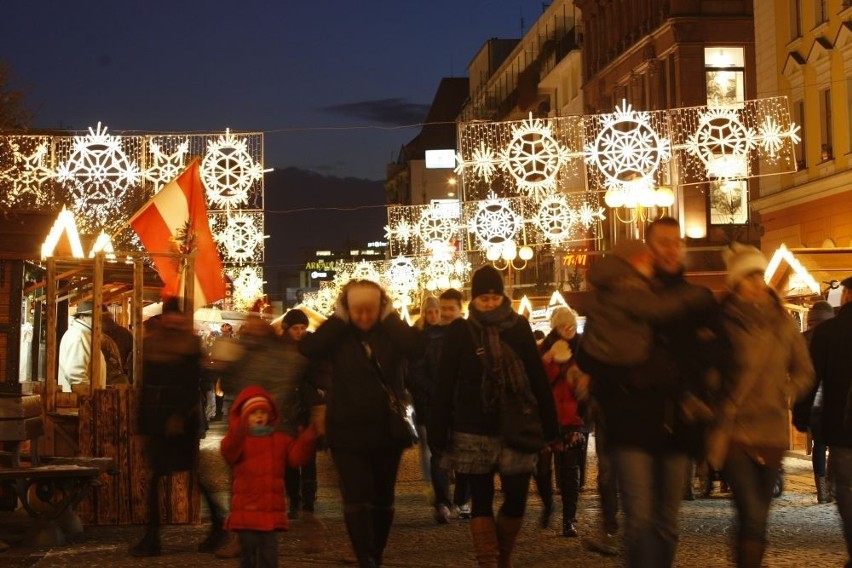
(340,309)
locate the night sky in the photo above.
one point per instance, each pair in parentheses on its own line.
(335,85)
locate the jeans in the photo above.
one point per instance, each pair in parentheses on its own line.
(301,486)
(841,466)
(651,492)
(751,484)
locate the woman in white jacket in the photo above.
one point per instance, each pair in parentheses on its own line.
(75,350)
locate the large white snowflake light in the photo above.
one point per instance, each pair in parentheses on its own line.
(165,167)
(402,275)
(722,142)
(247,286)
(435,227)
(240,238)
(627,147)
(772,136)
(228,171)
(534,157)
(495,222)
(483,162)
(98,173)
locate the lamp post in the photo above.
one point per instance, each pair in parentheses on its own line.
(505,257)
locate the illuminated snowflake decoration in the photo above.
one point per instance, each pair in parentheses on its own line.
(363,270)
(166,167)
(555,219)
(99,174)
(534,157)
(588,215)
(322,301)
(483,161)
(435,227)
(627,147)
(402,275)
(403,231)
(773,137)
(722,142)
(494,221)
(228,171)
(240,238)
(26,174)
(247,286)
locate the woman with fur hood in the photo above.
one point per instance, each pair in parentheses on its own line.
(772,369)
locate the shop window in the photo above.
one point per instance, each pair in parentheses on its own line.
(728,202)
(799,118)
(725,76)
(826,126)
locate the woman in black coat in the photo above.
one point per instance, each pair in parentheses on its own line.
(367,344)
(466,412)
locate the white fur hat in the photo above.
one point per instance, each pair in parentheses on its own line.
(562,316)
(741,261)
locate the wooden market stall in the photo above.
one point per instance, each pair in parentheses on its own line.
(93,421)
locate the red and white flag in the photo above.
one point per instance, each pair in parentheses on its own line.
(175,220)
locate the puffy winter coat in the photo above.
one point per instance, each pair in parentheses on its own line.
(75,352)
(258,499)
(563,379)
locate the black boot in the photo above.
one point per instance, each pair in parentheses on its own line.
(359,525)
(150,543)
(570,484)
(215,539)
(382,522)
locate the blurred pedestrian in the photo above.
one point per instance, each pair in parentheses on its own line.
(570,388)
(807,414)
(169,413)
(832,359)
(259,456)
(367,344)
(772,370)
(488,363)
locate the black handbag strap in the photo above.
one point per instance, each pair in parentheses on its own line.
(396,403)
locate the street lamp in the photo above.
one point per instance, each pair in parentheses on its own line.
(505,255)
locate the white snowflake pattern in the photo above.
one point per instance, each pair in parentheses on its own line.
(534,157)
(722,142)
(555,219)
(435,226)
(494,221)
(588,215)
(98,173)
(228,171)
(26,174)
(240,238)
(166,167)
(773,136)
(247,286)
(402,275)
(483,162)
(627,147)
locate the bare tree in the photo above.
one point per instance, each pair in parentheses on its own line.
(14,114)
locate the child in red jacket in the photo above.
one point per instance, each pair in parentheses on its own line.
(259,457)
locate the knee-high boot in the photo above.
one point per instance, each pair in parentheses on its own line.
(150,543)
(382,522)
(359,525)
(507,533)
(483,532)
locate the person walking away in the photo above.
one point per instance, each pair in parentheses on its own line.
(772,369)
(259,455)
(169,415)
(488,361)
(810,419)
(367,344)
(571,392)
(832,361)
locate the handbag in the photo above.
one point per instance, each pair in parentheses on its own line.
(402,427)
(519,419)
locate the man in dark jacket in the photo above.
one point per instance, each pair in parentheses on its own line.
(832,360)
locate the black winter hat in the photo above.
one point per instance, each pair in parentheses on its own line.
(295,317)
(486,280)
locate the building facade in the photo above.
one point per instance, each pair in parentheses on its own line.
(804,50)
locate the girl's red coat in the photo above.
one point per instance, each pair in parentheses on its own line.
(258,498)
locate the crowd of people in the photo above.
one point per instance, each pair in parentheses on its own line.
(664,376)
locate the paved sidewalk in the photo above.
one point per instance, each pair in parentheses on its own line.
(802,533)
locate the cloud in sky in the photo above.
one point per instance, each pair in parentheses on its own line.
(393,111)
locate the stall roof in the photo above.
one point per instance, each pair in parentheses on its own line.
(791,270)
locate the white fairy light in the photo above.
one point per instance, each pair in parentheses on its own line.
(495,222)
(166,166)
(240,237)
(25,175)
(534,157)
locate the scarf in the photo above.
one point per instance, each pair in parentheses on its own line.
(503,368)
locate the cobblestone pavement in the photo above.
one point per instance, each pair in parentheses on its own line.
(802,533)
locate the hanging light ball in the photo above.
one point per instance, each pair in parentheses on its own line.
(525,253)
(614,198)
(510,250)
(646,197)
(492,253)
(665,197)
